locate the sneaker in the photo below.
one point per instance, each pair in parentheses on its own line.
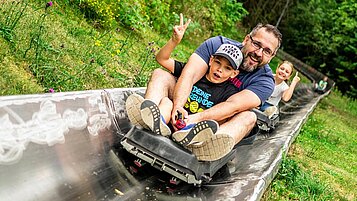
(195,133)
(213,148)
(270,111)
(151,116)
(132,106)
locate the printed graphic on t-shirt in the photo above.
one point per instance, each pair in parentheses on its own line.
(198,100)
(236,81)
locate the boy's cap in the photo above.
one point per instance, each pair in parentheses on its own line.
(232,53)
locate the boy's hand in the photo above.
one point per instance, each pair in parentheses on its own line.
(174,114)
(179,30)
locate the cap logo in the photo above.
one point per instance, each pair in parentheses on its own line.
(232,53)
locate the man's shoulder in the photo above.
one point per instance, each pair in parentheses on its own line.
(219,40)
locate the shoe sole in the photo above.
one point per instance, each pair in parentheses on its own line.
(132,106)
(200,132)
(213,148)
(150,114)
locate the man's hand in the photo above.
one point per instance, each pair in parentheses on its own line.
(179,30)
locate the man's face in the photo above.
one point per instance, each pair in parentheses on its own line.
(258,50)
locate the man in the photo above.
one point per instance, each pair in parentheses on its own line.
(255,83)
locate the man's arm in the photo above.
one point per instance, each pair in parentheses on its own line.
(241,101)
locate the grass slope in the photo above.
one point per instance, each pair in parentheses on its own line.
(322,162)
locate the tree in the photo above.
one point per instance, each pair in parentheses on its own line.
(323,34)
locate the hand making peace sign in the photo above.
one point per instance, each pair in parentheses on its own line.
(179,30)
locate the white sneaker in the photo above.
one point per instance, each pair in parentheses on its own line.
(270,111)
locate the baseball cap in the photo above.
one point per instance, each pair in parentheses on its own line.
(232,53)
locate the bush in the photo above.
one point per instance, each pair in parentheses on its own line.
(213,18)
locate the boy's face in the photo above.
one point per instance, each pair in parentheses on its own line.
(284,71)
(220,70)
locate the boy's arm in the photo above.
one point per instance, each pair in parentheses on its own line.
(163,56)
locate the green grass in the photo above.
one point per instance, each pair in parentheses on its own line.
(322,162)
(60,49)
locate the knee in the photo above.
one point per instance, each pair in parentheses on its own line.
(158,74)
(162,77)
(251,117)
(247,118)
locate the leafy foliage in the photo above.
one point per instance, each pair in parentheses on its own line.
(326,39)
(213,18)
(292,183)
(322,33)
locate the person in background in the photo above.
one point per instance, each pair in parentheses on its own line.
(321,86)
(281,90)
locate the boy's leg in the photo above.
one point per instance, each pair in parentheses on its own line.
(165,107)
(161,84)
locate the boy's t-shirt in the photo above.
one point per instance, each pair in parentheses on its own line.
(260,81)
(205,94)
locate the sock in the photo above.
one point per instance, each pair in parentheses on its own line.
(188,127)
(162,119)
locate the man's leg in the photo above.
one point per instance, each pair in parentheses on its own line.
(161,84)
(239,125)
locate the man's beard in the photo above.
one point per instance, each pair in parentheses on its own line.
(249,68)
